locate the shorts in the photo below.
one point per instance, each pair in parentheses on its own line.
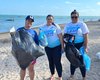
(33,62)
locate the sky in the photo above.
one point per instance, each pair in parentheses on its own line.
(54,7)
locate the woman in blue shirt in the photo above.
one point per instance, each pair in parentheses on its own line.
(54,47)
(80,31)
(28,23)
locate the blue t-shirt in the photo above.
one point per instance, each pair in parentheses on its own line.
(78,29)
(51,33)
(33,33)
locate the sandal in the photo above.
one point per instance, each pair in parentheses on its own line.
(51,78)
(70,78)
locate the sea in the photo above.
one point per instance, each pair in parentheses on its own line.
(9,21)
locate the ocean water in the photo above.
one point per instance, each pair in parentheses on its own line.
(8,21)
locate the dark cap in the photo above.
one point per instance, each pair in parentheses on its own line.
(30,17)
(74,12)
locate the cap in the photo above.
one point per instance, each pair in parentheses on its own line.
(30,17)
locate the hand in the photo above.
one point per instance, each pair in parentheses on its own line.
(62,51)
(86,50)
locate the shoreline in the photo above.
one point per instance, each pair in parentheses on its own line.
(6,35)
(61,25)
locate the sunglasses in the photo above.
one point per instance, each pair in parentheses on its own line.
(74,17)
(49,18)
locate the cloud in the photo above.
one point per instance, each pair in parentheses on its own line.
(98,3)
(68,2)
(87,10)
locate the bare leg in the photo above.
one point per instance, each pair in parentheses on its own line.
(52,77)
(84,78)
(31,71)
(22,74)
(60,78)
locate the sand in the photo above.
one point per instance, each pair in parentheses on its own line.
(9,70)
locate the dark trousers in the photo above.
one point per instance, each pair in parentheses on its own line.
(82,68)
(54,58)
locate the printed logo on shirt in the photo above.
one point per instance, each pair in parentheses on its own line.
(72,29)
(50,32)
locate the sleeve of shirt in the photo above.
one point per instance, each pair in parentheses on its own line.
(20,28)
(58,29)
(84,28)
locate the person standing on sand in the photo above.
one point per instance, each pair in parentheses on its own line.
(28,23)
(55,46)
(80,30)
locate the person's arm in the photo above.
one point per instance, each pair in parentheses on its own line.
(85,32)
(61,40)
(85,42)
(59,33)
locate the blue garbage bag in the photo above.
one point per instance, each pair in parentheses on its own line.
(86,58)
(43,39)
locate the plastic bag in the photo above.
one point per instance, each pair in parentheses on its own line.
(98,55)
(24,48)
(86,58)
(42,39)
(72,53)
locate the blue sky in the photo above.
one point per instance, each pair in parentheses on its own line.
(55,7)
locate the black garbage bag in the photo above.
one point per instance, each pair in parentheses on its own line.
(72,53)
(24,48)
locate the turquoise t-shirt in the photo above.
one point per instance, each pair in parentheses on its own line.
(51,33)
(77,29)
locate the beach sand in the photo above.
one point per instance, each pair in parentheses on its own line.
(9,70)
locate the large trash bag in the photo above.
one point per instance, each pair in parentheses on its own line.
(24,48)
(69,38)
(86,58)
(42,39)
(72,53)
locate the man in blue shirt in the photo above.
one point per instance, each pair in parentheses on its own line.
(28,23)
